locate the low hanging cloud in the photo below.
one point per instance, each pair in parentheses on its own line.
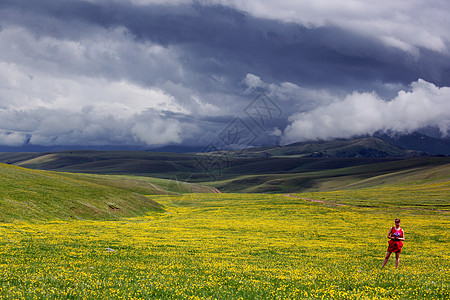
(293,95)
(366,113)
(90,126)
(11,138)
(43,109)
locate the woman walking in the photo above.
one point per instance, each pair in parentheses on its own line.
(396,237)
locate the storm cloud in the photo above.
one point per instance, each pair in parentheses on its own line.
(178,72)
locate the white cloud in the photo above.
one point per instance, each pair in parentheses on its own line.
(366,113)
(252,82)
(156,131)
(302,98)
(71,92)
(88,127)
(101,87)
(12,138)
(21,91)
(98,52)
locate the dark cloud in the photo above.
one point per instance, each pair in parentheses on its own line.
(221,40)
(203,63)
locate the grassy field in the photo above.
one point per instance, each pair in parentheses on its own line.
(236,246)
(166,239)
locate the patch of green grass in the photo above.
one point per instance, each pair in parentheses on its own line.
(38,195)
(143,185)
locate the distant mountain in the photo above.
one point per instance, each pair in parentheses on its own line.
(369,147)
(418,141)
(358,147)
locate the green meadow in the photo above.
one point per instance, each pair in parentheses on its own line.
(173,240)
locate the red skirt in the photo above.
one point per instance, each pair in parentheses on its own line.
(395,246)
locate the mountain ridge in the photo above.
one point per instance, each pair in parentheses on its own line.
(408,141)
(367,147)
(418,141)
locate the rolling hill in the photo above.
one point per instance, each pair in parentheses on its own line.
(30,194)
(39,195)
(292,158)
(353,177)
(318,166)
(103,162)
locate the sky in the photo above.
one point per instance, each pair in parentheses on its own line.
(220,73)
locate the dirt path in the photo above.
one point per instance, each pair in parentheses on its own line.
(314,200)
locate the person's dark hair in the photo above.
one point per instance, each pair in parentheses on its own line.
(397,220)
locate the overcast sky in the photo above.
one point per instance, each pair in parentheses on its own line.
(157,72)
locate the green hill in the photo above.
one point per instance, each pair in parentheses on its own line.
(38,195)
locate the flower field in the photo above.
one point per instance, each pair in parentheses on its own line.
(229,246)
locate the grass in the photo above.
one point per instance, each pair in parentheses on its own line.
(143,185)
(426,193)
(27,194)
(229,246)
(41,195)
